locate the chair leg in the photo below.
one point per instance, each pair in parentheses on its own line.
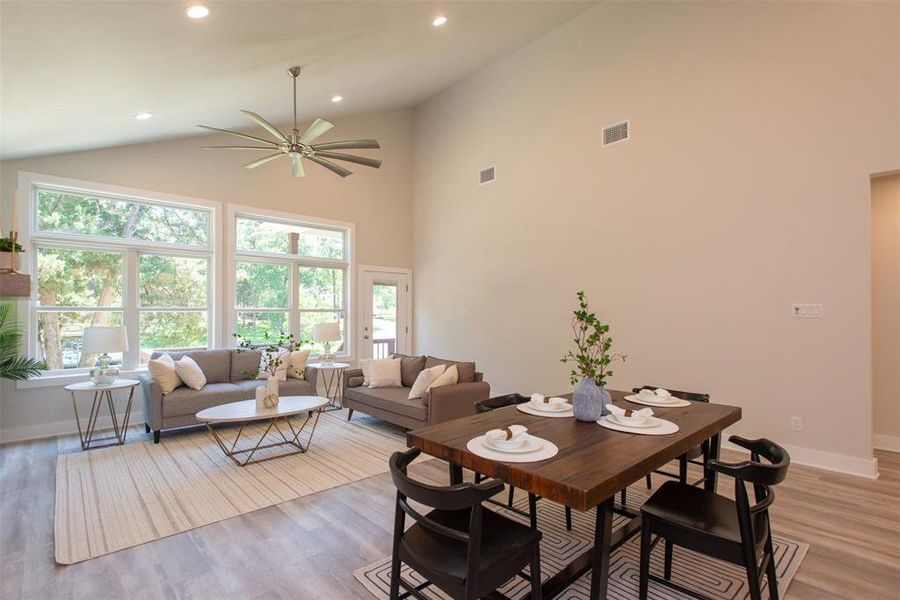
(349,414)
(536,572)
(623,496)
(682,468)
(771,576)
(478,477)
(512,494)
(649,482)
(752,575)
(532,510)
(667,571)
(399,524)
(568,518)
(646,547)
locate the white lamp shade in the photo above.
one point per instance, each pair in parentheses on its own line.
(104,339)
(327,332)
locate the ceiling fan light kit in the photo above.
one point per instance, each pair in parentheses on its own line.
(298,147)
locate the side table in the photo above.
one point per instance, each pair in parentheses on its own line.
(334,382)
(103,393)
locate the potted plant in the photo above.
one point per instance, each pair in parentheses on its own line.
(6,254)
(13,366)
(592,360)
(273,347)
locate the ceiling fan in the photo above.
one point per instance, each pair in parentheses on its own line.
(298,147)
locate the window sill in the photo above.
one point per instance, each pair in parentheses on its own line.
(64,379)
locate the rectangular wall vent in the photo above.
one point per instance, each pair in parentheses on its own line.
(487,175)
(615,133)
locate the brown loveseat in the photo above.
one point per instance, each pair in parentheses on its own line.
(439,405)
(230,376)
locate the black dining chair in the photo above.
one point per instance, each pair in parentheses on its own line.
(462,548)
(483,406)
(691,456)
(705,522)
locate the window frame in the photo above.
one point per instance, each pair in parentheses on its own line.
(29,184)
(233,255)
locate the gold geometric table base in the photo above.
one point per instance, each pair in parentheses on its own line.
(291,440)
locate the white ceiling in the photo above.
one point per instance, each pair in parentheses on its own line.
(74,73)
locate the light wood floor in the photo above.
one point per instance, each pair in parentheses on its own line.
(308,548)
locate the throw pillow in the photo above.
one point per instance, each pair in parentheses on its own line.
(466,370)
(410,367)
(282,369)
(297,364)
(162,370)
(384,373)
(424,380)
(448,377)
(190,373)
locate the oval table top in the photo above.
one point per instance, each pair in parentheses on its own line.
(245,410)
(90,386)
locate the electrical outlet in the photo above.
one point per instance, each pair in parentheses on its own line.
(806,311)
(796,424)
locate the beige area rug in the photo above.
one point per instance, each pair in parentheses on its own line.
(115,498)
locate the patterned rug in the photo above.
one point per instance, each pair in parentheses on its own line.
(708,576)
(114,498)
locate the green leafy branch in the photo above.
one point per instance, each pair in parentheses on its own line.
(592,357)
(273,346)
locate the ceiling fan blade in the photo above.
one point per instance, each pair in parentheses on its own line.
(239,147)
(263,160)
(347,145)
(360,160)
(266,125)
(330,165)
(237,133)
(318,127)
(297,166)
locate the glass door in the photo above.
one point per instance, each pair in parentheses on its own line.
(384,329)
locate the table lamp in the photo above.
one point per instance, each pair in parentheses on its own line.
(104,340)
(326,333)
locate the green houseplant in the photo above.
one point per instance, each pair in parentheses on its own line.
(592,358)
(13,366)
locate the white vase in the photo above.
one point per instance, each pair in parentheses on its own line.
(261,397)
(272,392)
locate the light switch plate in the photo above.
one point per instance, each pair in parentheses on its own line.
(806,311)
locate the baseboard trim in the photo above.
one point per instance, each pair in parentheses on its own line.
(889,443)
(47,430)
(828,461)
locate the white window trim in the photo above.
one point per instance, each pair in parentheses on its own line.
(232,256)
(27,223)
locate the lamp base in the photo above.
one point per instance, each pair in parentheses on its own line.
(103,373)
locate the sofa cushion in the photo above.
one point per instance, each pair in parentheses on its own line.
(250,385)
(296,387)
(410,367)
(215,364)
(466,370)
(245,364)
(185,401)
(394,400)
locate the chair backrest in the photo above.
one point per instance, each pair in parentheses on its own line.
(500,402)
(694,396)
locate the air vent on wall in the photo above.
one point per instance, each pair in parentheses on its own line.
(615,133)
(487,175)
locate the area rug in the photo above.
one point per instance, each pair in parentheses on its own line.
(114,498)
(708,576)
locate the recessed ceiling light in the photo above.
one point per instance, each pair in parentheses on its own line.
(337,98)
(439,20)
(198,11)
(143,116)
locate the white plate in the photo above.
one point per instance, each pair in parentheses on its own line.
(547,450)
(651,422)
(525,407)
(663,428)
(548,408)
(676,403)
(528,446)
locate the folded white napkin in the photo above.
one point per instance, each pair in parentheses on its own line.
(507,434)
(553,401)
(645,413)
(662,393)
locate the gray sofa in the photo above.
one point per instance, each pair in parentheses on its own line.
(230,376)
(440,404)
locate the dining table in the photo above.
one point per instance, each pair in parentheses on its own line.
(593,464)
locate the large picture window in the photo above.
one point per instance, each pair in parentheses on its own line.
(289,275)
(103,259)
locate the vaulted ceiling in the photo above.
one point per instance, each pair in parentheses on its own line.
(73,74)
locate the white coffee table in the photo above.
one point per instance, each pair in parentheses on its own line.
(245,413)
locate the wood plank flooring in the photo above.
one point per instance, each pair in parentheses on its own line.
(309,547)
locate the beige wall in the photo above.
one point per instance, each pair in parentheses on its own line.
(744,188)
(886,310)
(378,201)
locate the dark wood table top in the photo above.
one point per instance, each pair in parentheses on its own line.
(593,462)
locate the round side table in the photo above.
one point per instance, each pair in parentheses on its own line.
(334,382)
(103,393)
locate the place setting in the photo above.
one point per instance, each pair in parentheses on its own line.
(512,443)
(658,397)
(543,406)
(641,422)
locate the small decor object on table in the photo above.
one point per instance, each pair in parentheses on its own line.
(276,356)
(326,334)
(104,340)
(103,393)
(592,359)
(334,382)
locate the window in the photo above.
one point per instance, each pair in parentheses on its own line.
(108,259)
(288,276)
